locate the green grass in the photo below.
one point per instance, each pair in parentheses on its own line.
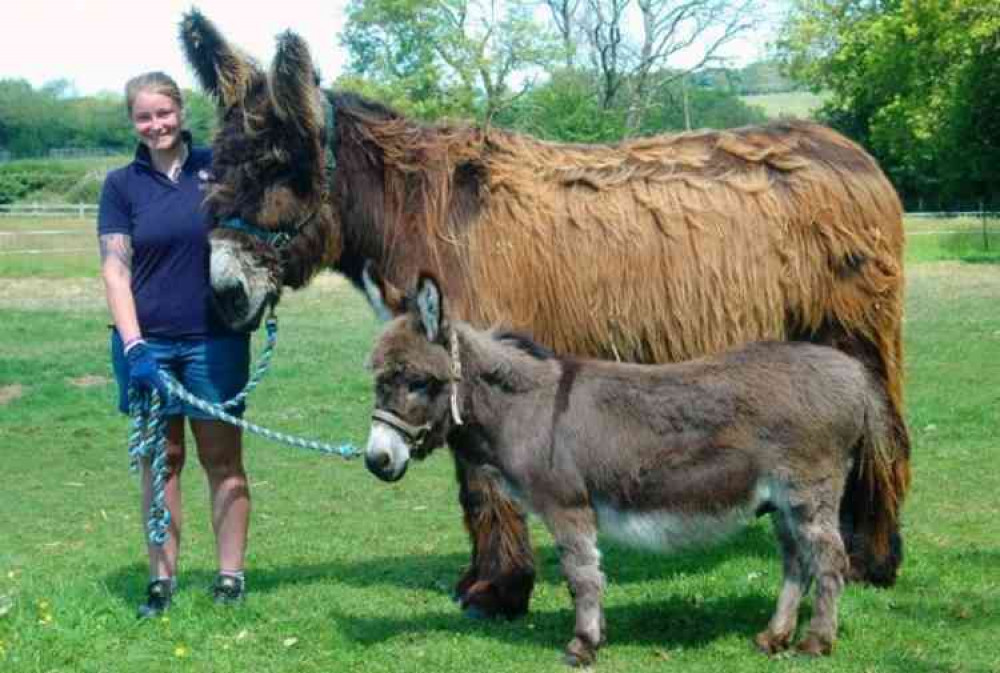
(349,574)
(36,247)
(799,104)
(968,240)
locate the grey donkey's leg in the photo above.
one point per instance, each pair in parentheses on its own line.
(829,564)
(794,584)
(575,533)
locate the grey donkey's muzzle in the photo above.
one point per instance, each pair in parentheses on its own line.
(391,441)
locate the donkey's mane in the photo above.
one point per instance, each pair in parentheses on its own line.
(523,343)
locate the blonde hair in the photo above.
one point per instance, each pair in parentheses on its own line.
(152,82)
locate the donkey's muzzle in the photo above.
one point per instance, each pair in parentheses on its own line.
(380,464)
(387,455)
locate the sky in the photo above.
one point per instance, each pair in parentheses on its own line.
(99,44)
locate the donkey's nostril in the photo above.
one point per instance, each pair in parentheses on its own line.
(233,298)
(378,463)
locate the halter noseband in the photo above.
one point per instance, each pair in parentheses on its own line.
(280,239)
(416,434)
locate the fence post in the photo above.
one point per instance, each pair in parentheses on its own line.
(986,236)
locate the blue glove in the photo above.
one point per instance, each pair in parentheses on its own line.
(143,372)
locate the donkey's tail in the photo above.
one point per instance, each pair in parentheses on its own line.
(873,496)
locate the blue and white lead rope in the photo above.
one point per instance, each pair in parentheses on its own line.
(147,438)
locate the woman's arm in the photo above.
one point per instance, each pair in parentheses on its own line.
(116,270)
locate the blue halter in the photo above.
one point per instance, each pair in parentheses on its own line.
(276,239)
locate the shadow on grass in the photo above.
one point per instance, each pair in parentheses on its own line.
(438,572)
(673,622)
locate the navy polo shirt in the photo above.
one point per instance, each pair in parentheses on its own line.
(169,228)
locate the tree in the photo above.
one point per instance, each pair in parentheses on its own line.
(564,16)
(445,49)
(681,106)
(910,79)
(566,107)
(668,28)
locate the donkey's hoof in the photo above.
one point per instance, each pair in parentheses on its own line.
(771,643)
(579,653)
(480,601)
(814,646)
(465,582)
(490,600)
(476,613)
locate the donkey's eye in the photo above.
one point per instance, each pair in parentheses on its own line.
(419,386)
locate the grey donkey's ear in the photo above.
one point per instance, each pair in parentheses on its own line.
(430,307)
(223,71)
(293,85)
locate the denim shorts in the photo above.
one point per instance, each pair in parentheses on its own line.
(213,368)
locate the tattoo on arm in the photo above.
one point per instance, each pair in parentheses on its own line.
(118,248)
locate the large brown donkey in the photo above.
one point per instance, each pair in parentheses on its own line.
(652,250)
(656,456)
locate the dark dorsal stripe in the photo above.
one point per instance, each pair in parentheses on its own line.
(523,343)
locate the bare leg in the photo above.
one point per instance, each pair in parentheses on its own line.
(220,450)
(795,583)
(163,559)
(502,572)
(575,532)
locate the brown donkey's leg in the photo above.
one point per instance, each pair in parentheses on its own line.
(502,572)
(884,359)
(795,583)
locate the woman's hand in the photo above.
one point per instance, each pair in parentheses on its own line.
(143,371)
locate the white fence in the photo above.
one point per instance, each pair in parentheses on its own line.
(947,214)
(80,210)
(83,210)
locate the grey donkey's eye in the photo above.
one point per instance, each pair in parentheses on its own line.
(419,386)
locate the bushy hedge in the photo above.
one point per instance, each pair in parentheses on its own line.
(55,180)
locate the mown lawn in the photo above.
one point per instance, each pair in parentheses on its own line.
(349,574)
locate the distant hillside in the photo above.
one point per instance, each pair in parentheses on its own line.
(799,104)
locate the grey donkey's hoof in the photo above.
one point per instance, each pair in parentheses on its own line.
(579,653)
(771,643)
(815,646)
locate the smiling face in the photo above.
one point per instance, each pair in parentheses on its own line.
(157,120)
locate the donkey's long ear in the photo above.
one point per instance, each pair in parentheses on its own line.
(430,307)
(294,89)
(223,71)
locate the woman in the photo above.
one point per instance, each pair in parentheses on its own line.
(153,235)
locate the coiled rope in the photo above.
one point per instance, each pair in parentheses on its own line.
(147,432)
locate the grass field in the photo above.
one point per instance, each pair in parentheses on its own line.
(349,574)
(800,104)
